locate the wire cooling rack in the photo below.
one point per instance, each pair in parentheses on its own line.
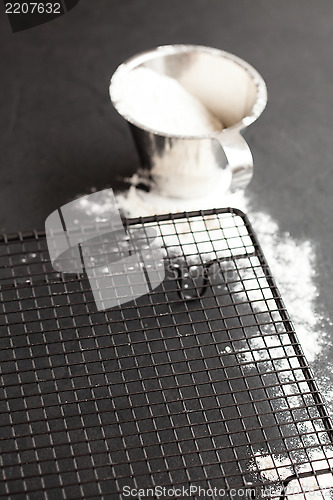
(198,389)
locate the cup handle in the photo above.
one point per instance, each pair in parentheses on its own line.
(239,158)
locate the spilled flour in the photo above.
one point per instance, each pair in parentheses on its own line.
(292,261)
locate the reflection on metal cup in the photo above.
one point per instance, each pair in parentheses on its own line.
(184,165)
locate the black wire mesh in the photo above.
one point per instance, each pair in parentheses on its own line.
(198,389)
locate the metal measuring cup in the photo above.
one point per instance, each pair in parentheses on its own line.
(230,88)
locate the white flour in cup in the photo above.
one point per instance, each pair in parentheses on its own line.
(160,103)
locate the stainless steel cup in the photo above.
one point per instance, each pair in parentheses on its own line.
(229,88)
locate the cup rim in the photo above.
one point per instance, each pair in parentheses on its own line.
(135,61)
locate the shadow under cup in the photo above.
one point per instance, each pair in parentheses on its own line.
(186,165)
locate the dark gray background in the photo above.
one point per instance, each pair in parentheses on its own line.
(60,135)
